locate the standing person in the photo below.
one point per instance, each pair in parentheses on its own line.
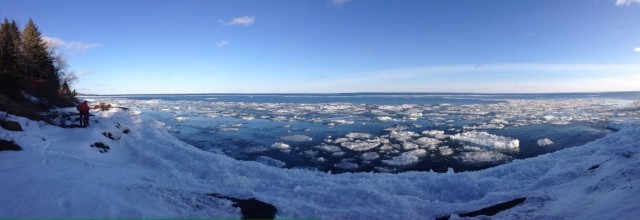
(84,114)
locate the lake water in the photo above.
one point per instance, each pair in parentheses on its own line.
(384,132)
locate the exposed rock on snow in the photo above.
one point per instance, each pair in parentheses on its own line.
(9,145)
(10,125)
(101,147)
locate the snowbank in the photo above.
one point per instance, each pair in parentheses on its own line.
(148,173)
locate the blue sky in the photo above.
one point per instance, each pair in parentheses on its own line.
(208,46)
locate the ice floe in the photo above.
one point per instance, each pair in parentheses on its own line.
(359,145)
(296,138)
(406,158)
(544,142)
(487,140)
(482,157)
(369,156)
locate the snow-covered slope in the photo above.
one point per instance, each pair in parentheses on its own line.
(149,173)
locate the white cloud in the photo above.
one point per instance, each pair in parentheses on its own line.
(245,20)
(339,2)
(626,2)
(222,43)
(637,49)
(54,42)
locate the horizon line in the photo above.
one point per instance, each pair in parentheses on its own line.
(356,93)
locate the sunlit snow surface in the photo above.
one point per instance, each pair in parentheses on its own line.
(148,173)
(342,136)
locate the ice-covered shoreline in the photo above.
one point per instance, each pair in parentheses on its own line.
(150,173)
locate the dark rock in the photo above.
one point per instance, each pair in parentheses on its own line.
(72,126)
(489,211)
(10,125)
(495,209)
(251,208)
(126,131)
(101,147)
(9,145)
(108,135)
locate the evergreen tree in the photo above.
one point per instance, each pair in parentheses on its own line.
(10,47)
(38,63)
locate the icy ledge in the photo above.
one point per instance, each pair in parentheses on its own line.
(148,173)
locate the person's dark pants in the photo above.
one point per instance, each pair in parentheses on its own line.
(84,118)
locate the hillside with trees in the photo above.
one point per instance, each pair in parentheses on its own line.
(33,78)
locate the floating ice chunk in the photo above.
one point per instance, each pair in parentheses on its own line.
(296,138)
(255,149)
(435,134)
(418,153)
(484,127)
(358,135)
(426,142)
(401,160)
(409,146)
(321,159)
(328,148)
(311,153)
(369,156)
(338,154)
(498,121)
(182,118)
(346,165)
(342,122)
(384,118)
(402,136)
(472,148)
(280,146)
(487,140)
(396,128)
(341,140)
(270,161)
(445,150)
(360,145)
(386,147)
(248,117)
(406,158)
(544,142)
(481,157)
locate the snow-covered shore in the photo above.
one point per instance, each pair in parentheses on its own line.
(148,173)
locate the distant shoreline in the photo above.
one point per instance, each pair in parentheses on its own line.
(360,93)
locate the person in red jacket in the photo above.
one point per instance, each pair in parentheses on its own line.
(84,114)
